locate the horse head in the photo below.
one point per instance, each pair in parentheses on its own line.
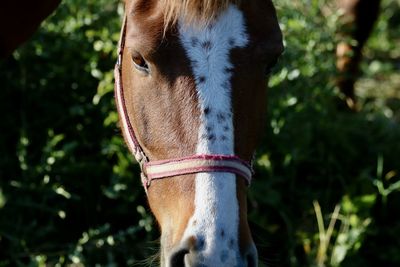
(191,94)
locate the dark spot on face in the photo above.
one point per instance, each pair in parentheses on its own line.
(211,137)
(206,45)
(221,117)
(231,41)
(201,243)
(222,233)
(202,79)
(209,128)
(224,138)
(226,85)
(231,243)
(194,41)
(214,210)
(226,128)
(224,256)
(207,111)
(228,69)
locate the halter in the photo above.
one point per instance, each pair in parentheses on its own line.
(153,170)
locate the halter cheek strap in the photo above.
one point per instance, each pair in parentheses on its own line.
(154,170)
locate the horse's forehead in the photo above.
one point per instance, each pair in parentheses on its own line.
(145,22)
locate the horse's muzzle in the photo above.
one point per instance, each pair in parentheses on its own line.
(191,255)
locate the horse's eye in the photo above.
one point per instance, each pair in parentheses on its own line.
(140,63)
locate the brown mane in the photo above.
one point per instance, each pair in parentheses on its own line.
(193,11)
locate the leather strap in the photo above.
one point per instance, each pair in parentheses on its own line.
(197,163)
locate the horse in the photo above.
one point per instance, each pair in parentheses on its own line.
(190,91)
(358,19)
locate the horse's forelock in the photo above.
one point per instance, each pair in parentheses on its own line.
(200,12)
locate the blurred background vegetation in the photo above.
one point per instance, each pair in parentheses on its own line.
(327,185)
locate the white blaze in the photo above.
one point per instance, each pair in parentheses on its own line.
(216,215)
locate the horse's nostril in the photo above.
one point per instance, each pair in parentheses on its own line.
(178,258)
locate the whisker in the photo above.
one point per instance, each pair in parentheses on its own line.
(153,260)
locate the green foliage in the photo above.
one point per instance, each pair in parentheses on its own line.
(314,152)
(326,192)
(70,193)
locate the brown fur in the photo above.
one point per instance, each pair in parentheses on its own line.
(200,11)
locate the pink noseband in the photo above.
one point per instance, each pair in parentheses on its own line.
(172,167)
